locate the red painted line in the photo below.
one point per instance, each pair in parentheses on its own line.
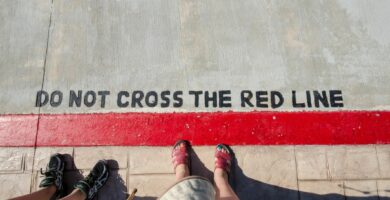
(18,130)
(234,128)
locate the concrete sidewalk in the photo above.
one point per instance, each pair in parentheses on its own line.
(184,45)
(261,172)
(156,46)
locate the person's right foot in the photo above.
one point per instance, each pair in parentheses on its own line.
(95,180)
(223,158)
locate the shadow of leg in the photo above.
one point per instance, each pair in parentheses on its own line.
(198,168)
(115,187)
(251,189)
(71,175)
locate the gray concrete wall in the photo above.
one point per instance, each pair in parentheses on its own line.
(194,45)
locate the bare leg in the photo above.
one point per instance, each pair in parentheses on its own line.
(45,193)
(180,155)
(181,172)
(48,192)
(223,190)
(75,195)
(222,163)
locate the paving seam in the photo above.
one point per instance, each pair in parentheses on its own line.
(377,160)
(32,181)
(296,173)
(377,189)
(44,66)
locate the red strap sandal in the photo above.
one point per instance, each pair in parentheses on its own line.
(181,154)
(223,158)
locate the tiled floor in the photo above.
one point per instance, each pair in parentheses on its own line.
(260,172)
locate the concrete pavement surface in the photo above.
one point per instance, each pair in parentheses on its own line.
(298,88)
(180,45)
(260,172)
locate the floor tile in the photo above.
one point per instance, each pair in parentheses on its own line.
(86,157)
(14,159)
(12,185)
(143,160)
(352,162)
(311,162)
(150,185)
(270,170)
(383,153)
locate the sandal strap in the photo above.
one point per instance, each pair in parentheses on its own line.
(180,155)
(223,160)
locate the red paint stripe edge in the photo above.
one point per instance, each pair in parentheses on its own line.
(161,129)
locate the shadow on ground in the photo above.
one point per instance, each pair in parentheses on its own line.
(246,187)
(115,188)
(251,189)
(71,174)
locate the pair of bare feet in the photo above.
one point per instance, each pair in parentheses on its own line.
(223,158)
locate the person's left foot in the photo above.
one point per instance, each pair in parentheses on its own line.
(95,180)
(54,173)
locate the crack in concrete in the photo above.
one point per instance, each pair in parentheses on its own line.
(43,82)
